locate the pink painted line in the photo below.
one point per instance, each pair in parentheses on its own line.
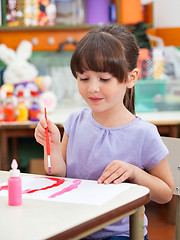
(67,189)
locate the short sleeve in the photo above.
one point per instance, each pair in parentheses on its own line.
(153,149)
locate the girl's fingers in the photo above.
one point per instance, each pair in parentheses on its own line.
(52,128)
(43,122)
(122,178)
(39,132)
(110,166)
(109,170)
(116,174)
(41,125)
(40,129)
(40,139)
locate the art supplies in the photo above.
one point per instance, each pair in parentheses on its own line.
(9,109)
(47,144)
(22,111)
(35,108)
(14,186)
(68,190)
(1,112)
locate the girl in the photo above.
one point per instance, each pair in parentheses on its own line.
(107,142)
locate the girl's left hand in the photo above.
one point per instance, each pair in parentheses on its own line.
(116,172)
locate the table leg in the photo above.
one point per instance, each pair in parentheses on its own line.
(4,152)
(177,226)
(137,224)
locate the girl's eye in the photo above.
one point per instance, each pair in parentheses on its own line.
(84,79)
(105,79)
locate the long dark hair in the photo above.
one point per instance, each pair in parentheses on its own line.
(109,48)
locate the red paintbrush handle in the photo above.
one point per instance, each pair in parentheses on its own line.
(47,142)
(45,113)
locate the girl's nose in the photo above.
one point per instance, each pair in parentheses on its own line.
(93,86)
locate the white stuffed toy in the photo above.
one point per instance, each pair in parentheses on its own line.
(24,76)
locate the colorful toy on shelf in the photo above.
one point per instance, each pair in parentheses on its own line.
(1,112)
(9,108)
(35,109)
(22,110)
(23,75)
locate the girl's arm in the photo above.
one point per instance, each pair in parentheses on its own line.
(159,179)
(57,149)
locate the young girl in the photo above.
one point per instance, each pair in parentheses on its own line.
(107,142)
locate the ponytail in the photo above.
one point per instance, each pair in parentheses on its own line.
(129,100)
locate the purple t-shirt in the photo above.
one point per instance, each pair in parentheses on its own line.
(91,147)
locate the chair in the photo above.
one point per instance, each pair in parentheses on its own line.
(173,145)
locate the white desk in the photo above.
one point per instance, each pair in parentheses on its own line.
(37,220)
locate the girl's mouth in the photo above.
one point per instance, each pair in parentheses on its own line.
(95,99)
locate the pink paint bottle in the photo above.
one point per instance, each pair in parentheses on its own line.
(14,186)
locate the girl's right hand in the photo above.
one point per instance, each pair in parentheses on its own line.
(54,133)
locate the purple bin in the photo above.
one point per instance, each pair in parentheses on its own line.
(97,12)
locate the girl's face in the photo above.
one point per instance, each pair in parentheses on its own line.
(101,91)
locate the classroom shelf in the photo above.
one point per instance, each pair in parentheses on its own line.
(170,36)
(43,38)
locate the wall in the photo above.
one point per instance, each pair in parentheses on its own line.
(166,13)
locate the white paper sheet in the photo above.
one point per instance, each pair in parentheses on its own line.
(67,190)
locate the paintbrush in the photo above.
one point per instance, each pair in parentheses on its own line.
(47,144)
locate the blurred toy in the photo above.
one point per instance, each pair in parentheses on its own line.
(23,75)
(47,12)
(51,13)
(9,108)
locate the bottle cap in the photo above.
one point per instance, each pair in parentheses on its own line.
(34,93)
(20,94)
(14,172)
(9,94)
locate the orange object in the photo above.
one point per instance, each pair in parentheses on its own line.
(170,36)
(131,12)
(9,110)
(148,13)
(42,34)
(1,112)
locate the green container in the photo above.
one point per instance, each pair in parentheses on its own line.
(147,93)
